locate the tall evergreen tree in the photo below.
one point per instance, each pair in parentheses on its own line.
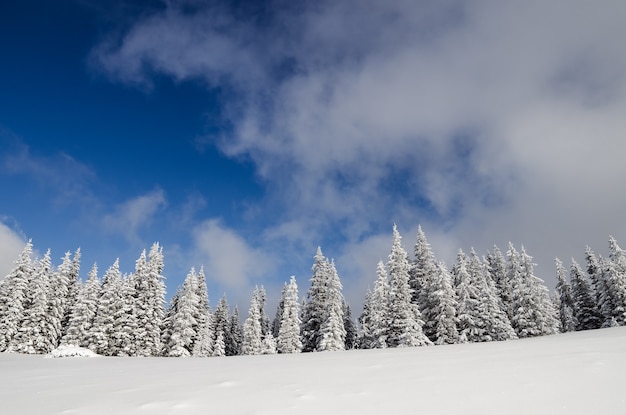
(566,301)
(234,339)
(314,311)
(279,312)
(470,322)
(615,276)
(220,326)
(405,324)
(533,311)
(59,297)
(443,303)
(101,332)
(34,334)
(332,330)
(203,345)
(422,273)
(83,312)
(497,268)
(182,322)
(252,336)
(349,327)
(599,283)
(586,312)
(13,292)
(150,300)
(288,340)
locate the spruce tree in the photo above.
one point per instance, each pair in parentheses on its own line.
(349,327)
(332,330)
(203,343)
(83,312)
(59,297)
(597,276)
(279,312)
(235,335)
(182,322)
(442,299)
(566,301)
(379,312)
(470,322)
(498,272)
(586,311)
(314,312)
(288,340)
(13,292)
(615,275)
(101,332)
(422,273)
(252,336)
(34,334)
(405,324)
(534,313)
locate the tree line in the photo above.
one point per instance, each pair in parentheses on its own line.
(413,302)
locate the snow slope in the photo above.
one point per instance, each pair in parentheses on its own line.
(575,373)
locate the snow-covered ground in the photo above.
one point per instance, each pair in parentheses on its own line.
(575,373)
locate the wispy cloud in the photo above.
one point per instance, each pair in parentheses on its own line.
(11,244)
(130,217)
(487,120)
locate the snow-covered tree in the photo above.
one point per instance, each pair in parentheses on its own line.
(182,322)
(279,312)
(288,340)
(83,312)
(34,334)
(268,345)
(443,306)
(13,291)
(125,319)
(422,273)
(497,267)
(220,326)
(235,335)
(405,324)
(375,318)
(349,327)
(614,271)
(102,331)
(533,310)
(470,322)
(59,297)
(314,312)
(585,309)
(566,301)
(252,338)
(219,348)
(203,344)
(332,330)
(150,301)
(597,275)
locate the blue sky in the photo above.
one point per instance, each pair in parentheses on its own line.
(242,135)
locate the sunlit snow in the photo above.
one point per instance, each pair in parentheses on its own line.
(575,373)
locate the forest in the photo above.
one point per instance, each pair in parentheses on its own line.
(416,301)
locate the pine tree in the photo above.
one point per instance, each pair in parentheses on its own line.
(268,345)
(279,312)
(597,276)
(314,312)
(219,348)
(235,335)
(496,324)
(73,288)
(34,335)
(497,268)
(13,292)
(470,323)
(332,330)
(405,324)
(422,273)
(534,313)
(365,336)
(83,312)
(288,340)
(379,310)
(443,303)
(264,320)
(586,312)
(101,332)
(203,345)
(349,327)
(252,336)
(182,321)
(125,322)
(59,297)
(566,301)
(615,276)
(150,300)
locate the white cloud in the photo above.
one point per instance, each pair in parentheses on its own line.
(486,120)
(129,217)
(11,244)
(228,259)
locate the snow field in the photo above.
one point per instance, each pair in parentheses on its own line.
(574,373)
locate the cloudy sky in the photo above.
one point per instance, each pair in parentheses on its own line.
(242,135)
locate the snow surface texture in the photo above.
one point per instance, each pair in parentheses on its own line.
(574,373)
